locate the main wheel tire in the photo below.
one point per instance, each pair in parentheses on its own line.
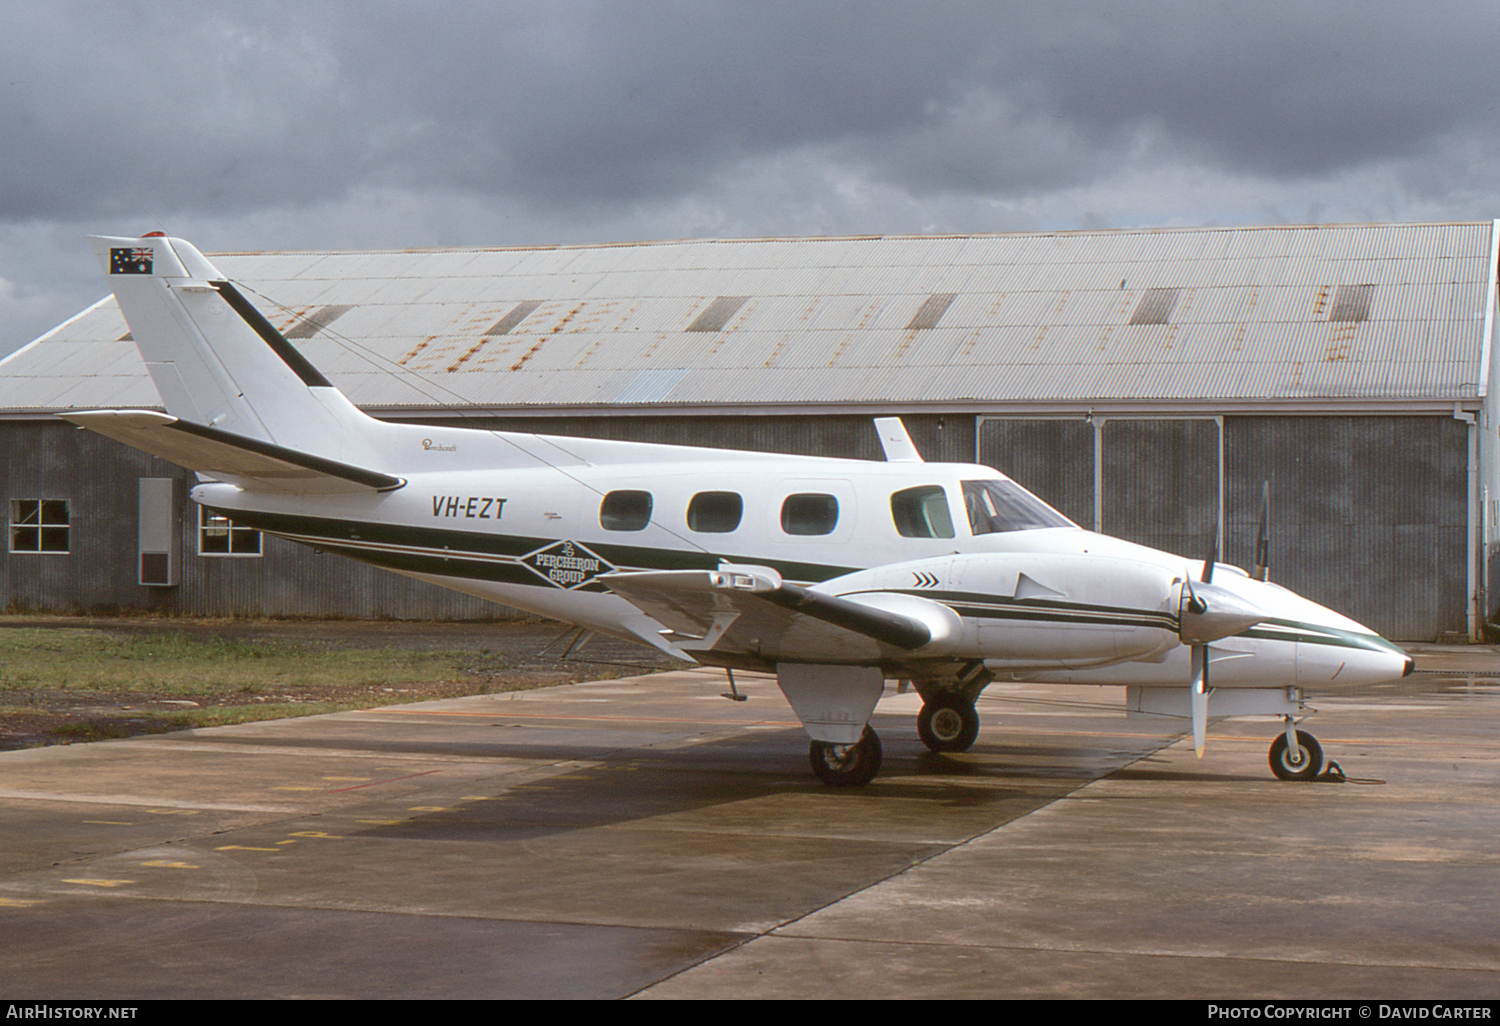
(947,723)
(846,765)
(1304,764)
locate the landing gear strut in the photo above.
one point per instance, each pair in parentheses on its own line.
(948,723)
(1302,764)
(846,765)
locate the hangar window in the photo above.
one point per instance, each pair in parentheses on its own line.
(922,512)
(220,536)
(717,313)
(715,512)
(1156,307)
(625,511)
(996,506)
(932,310)
(809,513)
(40,525)
(1352,303)
(518,313)
(309,326)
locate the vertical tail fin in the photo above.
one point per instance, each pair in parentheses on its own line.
(217,362)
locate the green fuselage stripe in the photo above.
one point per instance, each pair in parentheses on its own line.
(489,557)
(494,557)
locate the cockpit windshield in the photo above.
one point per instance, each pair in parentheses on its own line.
(997,506)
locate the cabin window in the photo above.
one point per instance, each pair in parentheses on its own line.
(809,514)
(715,512)
(625,511)
(996,506)
(40,525)
(922,512)
(220,536)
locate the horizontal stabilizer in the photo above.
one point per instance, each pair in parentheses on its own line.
(229,457)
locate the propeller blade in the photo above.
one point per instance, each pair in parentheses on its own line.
(1262,568)
(1213,555)
(1199,693)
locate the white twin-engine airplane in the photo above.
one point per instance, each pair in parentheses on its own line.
(836,575)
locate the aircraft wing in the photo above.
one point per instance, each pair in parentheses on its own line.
(750,610)
(230,457)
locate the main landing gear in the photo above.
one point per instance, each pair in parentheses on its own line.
(948,723)
(846,765)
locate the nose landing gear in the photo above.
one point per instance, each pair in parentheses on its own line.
(1303,762)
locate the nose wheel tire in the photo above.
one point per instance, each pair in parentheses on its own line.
(846,765)
(1303,764)
(947,723)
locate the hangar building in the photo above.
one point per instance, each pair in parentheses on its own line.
(1144,382)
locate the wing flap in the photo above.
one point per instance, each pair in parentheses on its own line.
(247,462)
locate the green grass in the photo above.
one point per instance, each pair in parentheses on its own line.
(235,681)
(77,659)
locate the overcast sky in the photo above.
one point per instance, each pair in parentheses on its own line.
(322,124)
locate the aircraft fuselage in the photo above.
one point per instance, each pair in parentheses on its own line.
(1050,602)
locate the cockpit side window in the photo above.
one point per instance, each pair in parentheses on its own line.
(998,506)
(715,512)
(922,512)
(625,510)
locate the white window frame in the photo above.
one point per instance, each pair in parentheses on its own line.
(18,511)
(210,523)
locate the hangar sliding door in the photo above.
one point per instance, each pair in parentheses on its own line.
(1153,481)
(1368,514)
(1052,457)
(1159,483)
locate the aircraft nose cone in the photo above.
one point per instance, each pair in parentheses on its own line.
(1370,659)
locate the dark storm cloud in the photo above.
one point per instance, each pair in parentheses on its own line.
(1066,93)
(256,103)
(109,107)
(630,100)
(1277,89)
(265,123)
(106,107)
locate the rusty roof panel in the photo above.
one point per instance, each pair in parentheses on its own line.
(1023,317)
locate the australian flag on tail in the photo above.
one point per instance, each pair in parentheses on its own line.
(130,260)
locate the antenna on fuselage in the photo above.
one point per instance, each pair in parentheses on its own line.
(895,442)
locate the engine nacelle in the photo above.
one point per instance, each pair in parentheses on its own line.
(1209,612)
(1024,610)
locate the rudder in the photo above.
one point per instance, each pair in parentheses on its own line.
(215,360)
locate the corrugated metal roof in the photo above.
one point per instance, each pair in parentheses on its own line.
(990,319)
